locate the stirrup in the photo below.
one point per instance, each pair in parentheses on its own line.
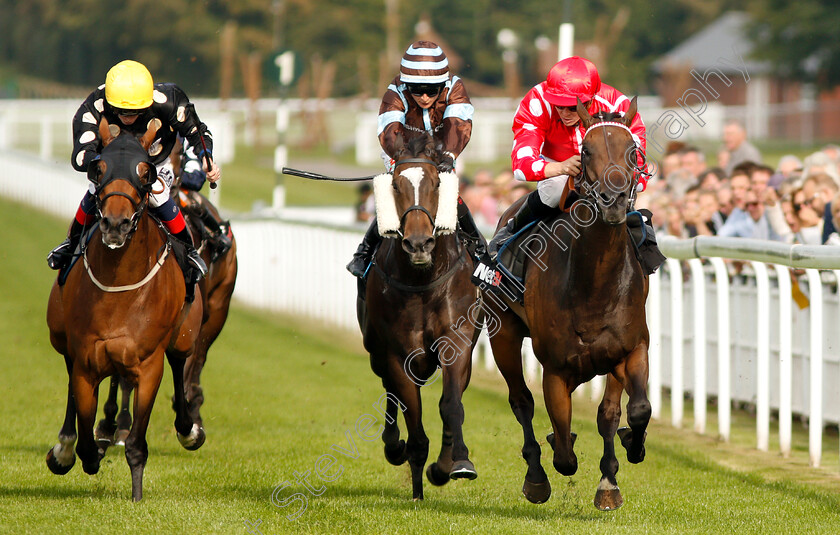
(61,255)
(196,261)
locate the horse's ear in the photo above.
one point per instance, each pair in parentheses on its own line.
(583,113)
(149,136)
(105,132)
(630,114)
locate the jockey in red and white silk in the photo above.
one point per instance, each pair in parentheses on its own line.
(539,137)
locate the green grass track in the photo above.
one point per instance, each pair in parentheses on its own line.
(280,393)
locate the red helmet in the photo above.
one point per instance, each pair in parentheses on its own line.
(571,79)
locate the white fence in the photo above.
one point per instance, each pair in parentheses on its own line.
(735,337)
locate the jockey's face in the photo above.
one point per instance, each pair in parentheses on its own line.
(568,114)
(424,101)
(128,119)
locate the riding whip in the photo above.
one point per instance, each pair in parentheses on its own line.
(207,159)
(316,176)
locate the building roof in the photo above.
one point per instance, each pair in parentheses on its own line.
(723,38)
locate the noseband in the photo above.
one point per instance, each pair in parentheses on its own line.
(414,207)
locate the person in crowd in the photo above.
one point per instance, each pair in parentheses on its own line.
(724,200)
(810,219)
(423,98)
(693,160)
(755,225)
(711,178)
(365,209)
(131,100)
(737,146)
(789,165)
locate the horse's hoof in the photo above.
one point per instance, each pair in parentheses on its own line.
(91,468)
(194,440)
(104,438)
(436,476)
(463,470)
(397,455)
(56,467)
(608,497)
(120,437)
(626,436)
(537,492)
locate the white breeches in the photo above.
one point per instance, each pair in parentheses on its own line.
(551,189)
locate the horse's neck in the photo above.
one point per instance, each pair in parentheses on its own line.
(597,256)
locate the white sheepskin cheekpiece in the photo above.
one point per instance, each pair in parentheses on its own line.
(447,213)
(386,205)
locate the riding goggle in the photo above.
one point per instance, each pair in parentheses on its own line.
(128,113)
(419,90)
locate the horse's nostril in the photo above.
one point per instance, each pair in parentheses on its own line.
(428,245)
(407,246)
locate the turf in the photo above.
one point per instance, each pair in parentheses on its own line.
(281,393)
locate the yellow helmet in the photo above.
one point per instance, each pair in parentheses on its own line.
(129,86)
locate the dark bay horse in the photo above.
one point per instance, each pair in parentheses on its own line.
(216,290)
(121,310)
(419,311)
(584,308)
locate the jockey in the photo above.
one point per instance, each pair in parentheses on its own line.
(131,100)
(547,137)
(423,98)
(192,179)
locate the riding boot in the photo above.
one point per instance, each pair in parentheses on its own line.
(477,244)
(361,258)
(219,239)
(60,257)
(192,255)
(531,210)
(647,250)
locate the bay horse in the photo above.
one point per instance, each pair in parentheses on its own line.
(216,290)
(419,310)
(584,309)
(121,311)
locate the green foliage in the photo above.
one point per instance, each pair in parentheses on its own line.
(800,39)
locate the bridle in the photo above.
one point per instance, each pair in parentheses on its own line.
(414,207)
(586,188)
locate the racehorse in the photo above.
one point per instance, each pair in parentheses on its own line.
(419,311)
(121,311)
(216,289)
(584,309)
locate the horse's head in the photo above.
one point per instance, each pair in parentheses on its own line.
(417,203)
(123,175)
(609,162)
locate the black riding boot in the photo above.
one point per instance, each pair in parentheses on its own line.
(644,238)
(192,255)
(531,210)
(219,239)
(477,245)
(361,258)
(60,257)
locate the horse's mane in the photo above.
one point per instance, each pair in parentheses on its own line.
(422,145)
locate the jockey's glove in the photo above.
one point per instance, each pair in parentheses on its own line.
(446,163)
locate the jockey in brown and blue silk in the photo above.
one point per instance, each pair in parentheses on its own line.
(423,98)
(131,100)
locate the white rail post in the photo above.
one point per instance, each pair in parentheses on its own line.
(724,385)
(655,350)
(675,270)
(785,359)
(698,287)
(762,420)
(815,420)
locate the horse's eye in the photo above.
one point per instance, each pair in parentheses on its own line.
(395,186)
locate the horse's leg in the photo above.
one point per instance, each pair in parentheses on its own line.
(395,450)
(60,458)
(417,445)
(507,347)
(634,376)
(453,461)
(558,401)
(85,394)
(136,448)
(124,416)
(107,426)
(190,435)
(608,496)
